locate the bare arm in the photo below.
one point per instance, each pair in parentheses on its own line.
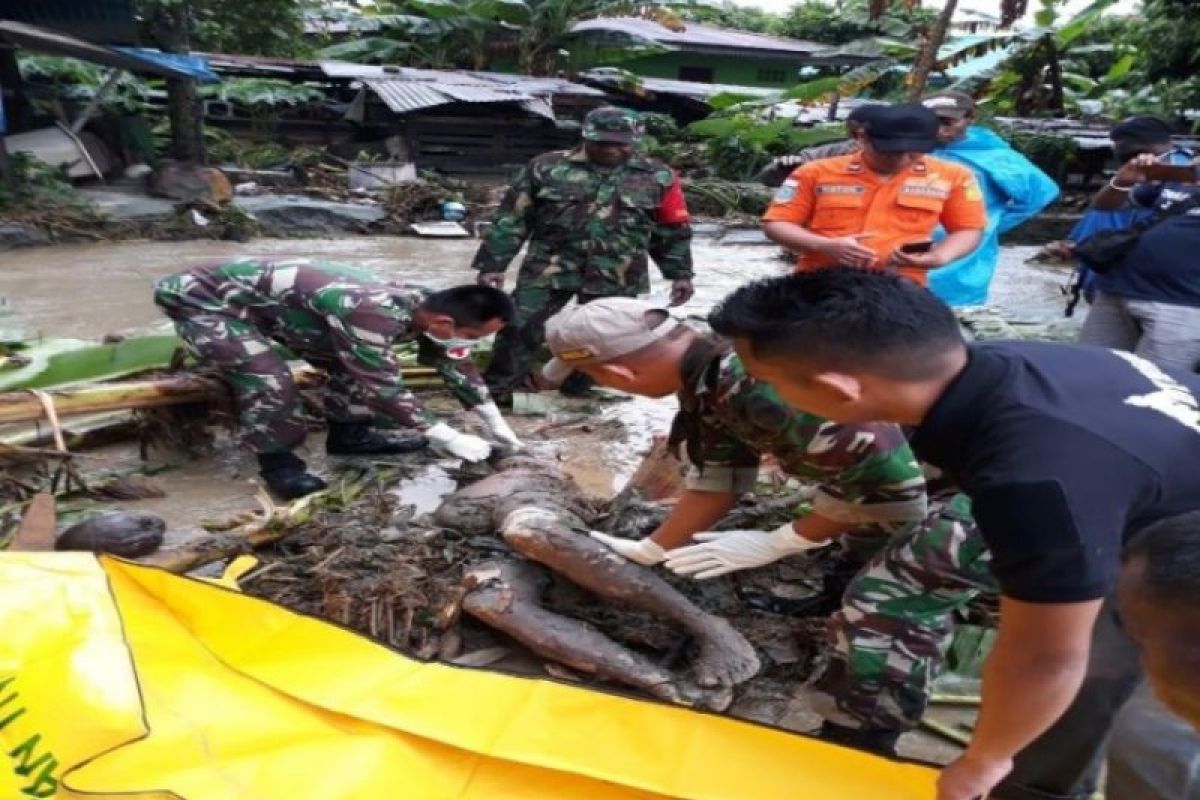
(695,511)
(846,250)
(1031,677)
(1115,194)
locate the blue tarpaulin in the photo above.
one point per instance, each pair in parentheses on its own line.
(195,66)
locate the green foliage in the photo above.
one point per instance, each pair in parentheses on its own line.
(37,185)
(1168,40)
(741,18)
(79,80)
(845,21)
(264,93)
(252,27)
(1052,154)
(737,146)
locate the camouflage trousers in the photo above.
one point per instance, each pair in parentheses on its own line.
(265,393)
(889,639)
(518,345)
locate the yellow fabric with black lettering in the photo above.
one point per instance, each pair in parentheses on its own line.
(244,699)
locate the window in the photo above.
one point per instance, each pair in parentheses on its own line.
(772,75)
(696,74)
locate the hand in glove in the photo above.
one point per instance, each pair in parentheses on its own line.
(495,423)
(639,551)
(722,552)
(492,279)
(462,445)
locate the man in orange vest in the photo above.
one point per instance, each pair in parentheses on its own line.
(878,208)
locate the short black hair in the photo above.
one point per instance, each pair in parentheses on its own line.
(845,318)
(1170,551)
(472,305)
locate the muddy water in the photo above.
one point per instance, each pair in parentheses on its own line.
(87,291)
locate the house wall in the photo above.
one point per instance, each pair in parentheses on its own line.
(771,73)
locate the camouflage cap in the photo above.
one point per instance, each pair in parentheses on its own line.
(612,124)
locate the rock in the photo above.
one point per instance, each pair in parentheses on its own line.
(129,534)
(190,184)
(295,215)
(14,235)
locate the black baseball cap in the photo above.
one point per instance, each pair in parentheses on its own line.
(1141,131)
(902,128)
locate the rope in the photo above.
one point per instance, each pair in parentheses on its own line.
(47,403)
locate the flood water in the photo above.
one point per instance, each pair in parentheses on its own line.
(89,290)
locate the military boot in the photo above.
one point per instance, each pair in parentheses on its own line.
(358,439)
(287,475)
(881,741)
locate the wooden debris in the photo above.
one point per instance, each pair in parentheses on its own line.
(39,525)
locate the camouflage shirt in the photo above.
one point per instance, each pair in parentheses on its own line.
(866,473)
(590,228)
(336,315)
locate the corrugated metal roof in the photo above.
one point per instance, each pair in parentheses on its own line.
(610,76)
(403,94)
(696,36)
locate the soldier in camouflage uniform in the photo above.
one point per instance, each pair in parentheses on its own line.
(591,216)
(888,639)
(344,321)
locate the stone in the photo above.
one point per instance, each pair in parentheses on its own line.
(294,215)
(14,235)
(190,184)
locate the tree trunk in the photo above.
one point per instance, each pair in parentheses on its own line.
(1054,73)
(183,102)
(927,58)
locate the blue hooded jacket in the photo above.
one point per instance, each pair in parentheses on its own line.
(1013,189)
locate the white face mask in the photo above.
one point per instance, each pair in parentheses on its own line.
(456,348)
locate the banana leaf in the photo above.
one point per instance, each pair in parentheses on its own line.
(62,362)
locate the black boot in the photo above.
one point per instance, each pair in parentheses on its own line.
(287,476)
(357,439)
(881,741)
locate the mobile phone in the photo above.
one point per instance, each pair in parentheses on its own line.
(1171,173)
(912,248)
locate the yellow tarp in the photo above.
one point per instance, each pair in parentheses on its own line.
(121,681)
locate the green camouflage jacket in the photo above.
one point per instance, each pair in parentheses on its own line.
(590,228)
(338,316)
(866,473)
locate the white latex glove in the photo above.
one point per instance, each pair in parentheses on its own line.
(462,445)
(722,552)
(639,551)
(495,423)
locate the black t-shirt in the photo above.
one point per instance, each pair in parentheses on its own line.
(1065,451)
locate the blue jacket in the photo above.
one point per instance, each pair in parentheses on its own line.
(1013,189)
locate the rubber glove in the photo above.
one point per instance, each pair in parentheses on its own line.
(495,423)
(639,551)
(722,552)
(462,445)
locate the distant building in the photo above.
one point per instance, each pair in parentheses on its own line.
(708,54)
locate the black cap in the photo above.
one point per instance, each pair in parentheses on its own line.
(1141,130)
(903,128)
(862,114)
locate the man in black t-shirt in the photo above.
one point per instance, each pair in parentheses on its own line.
(1064,452)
